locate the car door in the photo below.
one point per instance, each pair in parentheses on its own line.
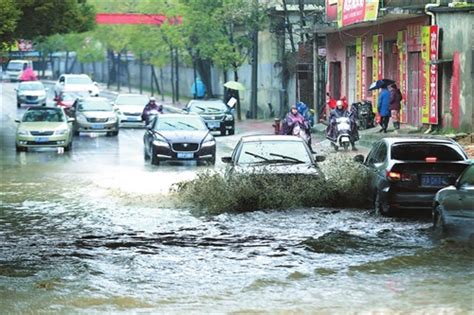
(371,169)
(461,200)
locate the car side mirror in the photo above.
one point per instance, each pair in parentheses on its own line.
(96,84)
(319,158)
(359,158)
(17,120)
(226,159)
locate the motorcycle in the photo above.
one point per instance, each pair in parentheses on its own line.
(151,116)
(343,134)
(301,131)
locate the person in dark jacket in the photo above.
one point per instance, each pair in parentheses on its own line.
(395,100)
(150,107)
(384,108)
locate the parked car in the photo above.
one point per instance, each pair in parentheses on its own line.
(178,137)
(31,93)
(67,99)
(130,107)
(406,172)
(15,68)
(75,83)
(95,114)
(217,115)
(453,206)
(275,154)
(44,127)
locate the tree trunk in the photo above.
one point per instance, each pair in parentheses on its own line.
(119,57)
(172,75)
(238,107)
(176,61)
(253,96)
(162,85)
(66,63)
(141,73)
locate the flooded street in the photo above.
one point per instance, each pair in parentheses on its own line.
(95,230)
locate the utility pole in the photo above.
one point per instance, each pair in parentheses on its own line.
(253,96)
(315,77)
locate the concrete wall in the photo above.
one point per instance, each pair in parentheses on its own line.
(457,30)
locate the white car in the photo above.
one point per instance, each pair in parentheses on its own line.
(129,108)
(76,83)
(31,93)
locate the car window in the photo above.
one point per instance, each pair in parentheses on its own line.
(170,123)
(31,86)
(381,155)
(61,79)
(15,65)
(372,154)
(79,80)
(200,107)
(94,104)
(467,178)
(51,115)
(420,151)
(258,151)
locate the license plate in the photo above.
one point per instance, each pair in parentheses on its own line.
(213,124)
(185,155)
(433,180)
(41,139)
(134,118)
(97,126)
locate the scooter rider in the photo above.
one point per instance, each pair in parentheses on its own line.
(292,118)
(150,107)
(341,111)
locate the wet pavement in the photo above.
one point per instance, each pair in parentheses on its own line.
(95,230)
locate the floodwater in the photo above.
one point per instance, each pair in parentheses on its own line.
(92,246)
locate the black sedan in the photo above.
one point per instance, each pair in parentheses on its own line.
(178,137)
(453,206)
(217,115)
(406,172)
(274,154)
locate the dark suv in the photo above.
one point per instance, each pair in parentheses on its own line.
(406,172)
(217,115)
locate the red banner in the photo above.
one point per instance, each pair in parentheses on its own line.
(433,75)
(134,18)
(356,11)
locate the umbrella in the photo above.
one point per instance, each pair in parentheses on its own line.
(234,85)
(380,84)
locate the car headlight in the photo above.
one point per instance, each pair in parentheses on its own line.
(112,119)
(160,142)
(209,141)
(229,117)
(23,132)
(61,131)
(42,96)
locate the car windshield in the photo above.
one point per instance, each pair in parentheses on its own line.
(15,66)
(200,107)
(79,80)
(268,151)
(468,177)
(169,123)
(138,100)
(31,86)
(51,115)
(421,151)
(94,104)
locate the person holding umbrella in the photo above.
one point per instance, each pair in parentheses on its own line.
(384,108)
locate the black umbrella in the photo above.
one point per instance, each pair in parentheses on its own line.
(380,84)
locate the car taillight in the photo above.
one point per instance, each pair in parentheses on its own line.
(396,176)
(431,159)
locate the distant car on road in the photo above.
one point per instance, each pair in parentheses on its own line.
(129,108)
(275,154)
(44,127)
(453,206)
(67,99)
(95,114)
(76,83)
(406,172)
(217,115)
(15,68)
(178,137)
(31,93)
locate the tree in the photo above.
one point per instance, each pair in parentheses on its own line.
(9,15)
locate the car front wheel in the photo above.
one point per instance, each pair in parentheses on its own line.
(154,158)
(439,228)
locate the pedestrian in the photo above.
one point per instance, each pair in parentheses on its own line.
(198,89)
(395,99)
(384,108)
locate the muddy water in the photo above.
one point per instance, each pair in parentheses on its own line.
(99,246)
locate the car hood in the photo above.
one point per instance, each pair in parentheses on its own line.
(131,108)
(98,114)
(278,168)
(192,136)
(42,125)
(32,93)
(81,87)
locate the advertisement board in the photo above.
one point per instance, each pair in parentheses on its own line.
(356,11)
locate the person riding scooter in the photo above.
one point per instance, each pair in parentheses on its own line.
(151,109)
(332,130)
(295,120)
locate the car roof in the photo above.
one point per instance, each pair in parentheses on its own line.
(255,138)
(88,98)
(131,94)
(419,139)
(38,108)
(75,75)
(31,82)
(176,115)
